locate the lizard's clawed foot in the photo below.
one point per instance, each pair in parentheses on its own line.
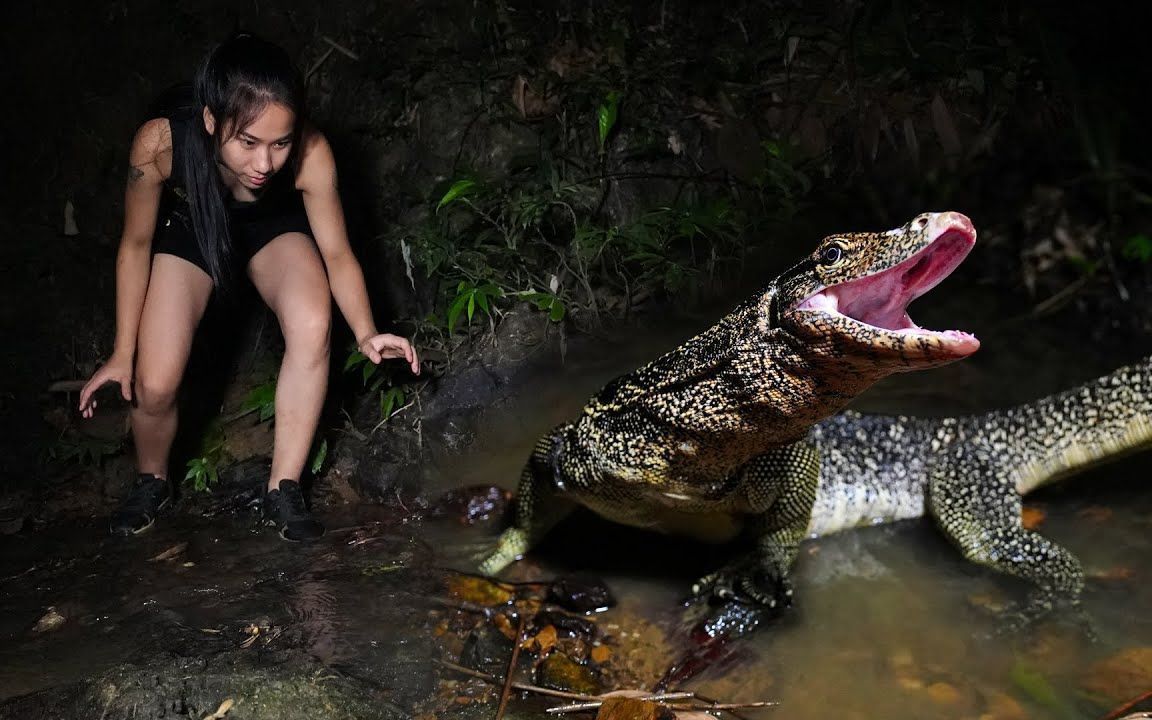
(745,583)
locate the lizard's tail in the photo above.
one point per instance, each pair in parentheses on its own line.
(1061,434)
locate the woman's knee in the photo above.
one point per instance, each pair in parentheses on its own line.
(308,331)
(155,395)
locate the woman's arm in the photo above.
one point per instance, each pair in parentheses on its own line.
(149,164)
(317,182)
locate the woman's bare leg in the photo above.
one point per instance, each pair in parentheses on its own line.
(178,293)
(289,275)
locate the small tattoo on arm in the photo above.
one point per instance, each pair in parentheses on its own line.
(134,174)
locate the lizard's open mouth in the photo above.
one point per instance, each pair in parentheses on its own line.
(881,300)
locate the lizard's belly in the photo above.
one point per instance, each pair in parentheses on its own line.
(844,504)
(674,516)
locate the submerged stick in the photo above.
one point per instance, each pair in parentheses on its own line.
(1118,712)
(507,691)
(519,686)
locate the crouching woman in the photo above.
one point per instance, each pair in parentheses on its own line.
(236,180)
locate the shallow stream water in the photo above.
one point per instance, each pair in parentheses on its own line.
(889,621)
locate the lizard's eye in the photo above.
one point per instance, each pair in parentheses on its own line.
(832,254)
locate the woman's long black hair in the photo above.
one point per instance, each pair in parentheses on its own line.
(236,81)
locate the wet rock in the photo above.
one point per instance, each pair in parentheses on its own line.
(581,594)
(560,672)
(261,687)
(1121,677)
(486,649)
(566,625)
(474,505)
(1003,707)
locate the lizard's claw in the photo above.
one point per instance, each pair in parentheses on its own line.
(744,583)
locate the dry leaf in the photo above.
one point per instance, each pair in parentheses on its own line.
(481,591)
(504,625)
(221,711)
(51,620)
(945,127)
(544,641)
(625,708)
(1117,573)
(601,654)
(1121,677)
(943,694)
(70,228)
(1096,514)
(170,553)
(1003,707)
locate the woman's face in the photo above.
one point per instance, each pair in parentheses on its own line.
(253,154)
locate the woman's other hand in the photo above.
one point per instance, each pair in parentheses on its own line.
(385,346)
(117,370)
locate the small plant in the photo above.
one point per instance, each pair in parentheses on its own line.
(391,397)
(203,471)
(1138,247)
(469,298)
(260,400)
(87,452)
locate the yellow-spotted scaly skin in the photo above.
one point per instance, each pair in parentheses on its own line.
(708,438)
(969,473)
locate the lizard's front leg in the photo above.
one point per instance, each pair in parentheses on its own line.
(780,487)
(539,506)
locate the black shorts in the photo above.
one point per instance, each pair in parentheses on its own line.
(252,227)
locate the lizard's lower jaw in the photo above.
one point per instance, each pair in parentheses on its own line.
(839,337)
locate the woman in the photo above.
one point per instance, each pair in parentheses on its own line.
(249,185)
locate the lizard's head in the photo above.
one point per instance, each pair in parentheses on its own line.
(851,295)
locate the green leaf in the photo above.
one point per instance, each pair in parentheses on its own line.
(556,314)
(367,371)
(459,189)
(1138,247)
(471,305)
(319,457)
(606,116)
(354,358)
(260,397)
(454,312)
(1033,684)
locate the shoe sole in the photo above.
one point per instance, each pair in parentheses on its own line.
(295,540)
(151,522)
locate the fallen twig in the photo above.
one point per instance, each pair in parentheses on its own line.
(507,691)
(1118,712)
(595,704)
(519,686)
(664,698)
(337,46)
(221,711)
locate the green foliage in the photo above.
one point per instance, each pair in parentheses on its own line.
(85,451)
(318,456)
(1035,686)
(546,302)
(203,471)
(261,400)
(374,378)
(470,297)
(1138,247)
(606,117)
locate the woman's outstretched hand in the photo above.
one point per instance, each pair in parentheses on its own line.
(385,346)
(117,370)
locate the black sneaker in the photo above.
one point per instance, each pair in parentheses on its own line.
(138,510)
(284,507)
